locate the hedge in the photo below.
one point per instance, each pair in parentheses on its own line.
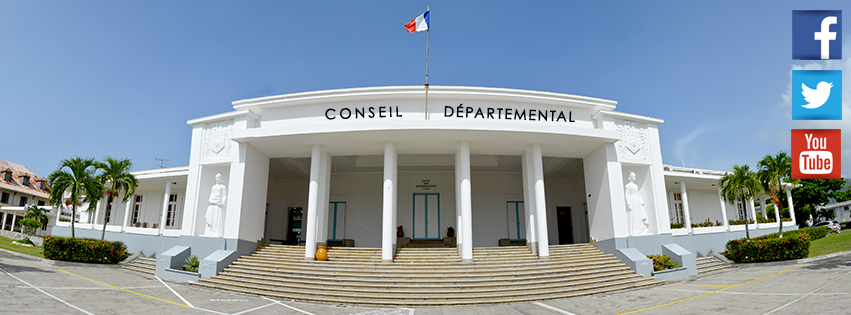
(845,225)
(84,250)
(761,249)
(813,233)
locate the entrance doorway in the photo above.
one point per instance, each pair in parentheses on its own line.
(565,226)
(294,215)
(516,220)
(426,215)
(336,220)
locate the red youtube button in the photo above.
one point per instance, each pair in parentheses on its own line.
(816,153)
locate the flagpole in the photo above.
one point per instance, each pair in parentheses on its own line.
(428,30)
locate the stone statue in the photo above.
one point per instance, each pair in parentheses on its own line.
(636,216)
(215,211)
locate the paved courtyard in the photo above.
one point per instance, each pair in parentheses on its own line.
(33,287)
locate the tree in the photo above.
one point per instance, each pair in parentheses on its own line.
(741,185)
(37,214)
(76,177)
(841,196)
(773,170)
(813,193)
(29,226)
(115,178)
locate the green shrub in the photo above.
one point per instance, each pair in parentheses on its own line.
(740,222)
(677,225)
(706,223)
(813,233)
(763,249)
(191,263)
(84,250)
(662,262)
(845,225)
(26,241)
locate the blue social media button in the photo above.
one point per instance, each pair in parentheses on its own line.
(817,94)
(816,35)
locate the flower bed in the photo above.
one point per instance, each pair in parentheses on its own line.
(764,249)
(84,250)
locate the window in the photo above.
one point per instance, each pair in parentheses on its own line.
(171,215)
(137,208)
(741,213)
(23,202)
(678,208)
(25,180)
(43,185)
(7,176)
(41,202)
(5,198)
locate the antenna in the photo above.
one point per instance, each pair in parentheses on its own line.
(161,163)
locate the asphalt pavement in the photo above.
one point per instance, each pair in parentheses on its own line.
(817,287)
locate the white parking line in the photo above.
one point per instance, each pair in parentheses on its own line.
(553,308)
(287,306)
(48,294)
(175,292)
(808,294)
(254,309)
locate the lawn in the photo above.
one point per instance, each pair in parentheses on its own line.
(6,243)
(832,244)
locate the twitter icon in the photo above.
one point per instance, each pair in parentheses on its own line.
(817,94)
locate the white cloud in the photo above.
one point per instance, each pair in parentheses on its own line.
(684,146)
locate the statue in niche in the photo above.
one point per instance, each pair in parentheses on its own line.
(637,218)
(215,211)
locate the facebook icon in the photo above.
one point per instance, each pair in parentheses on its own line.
(816,34)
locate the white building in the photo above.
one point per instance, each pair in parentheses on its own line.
(19,189)
(494,164)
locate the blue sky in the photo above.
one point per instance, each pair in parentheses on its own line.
(121,78)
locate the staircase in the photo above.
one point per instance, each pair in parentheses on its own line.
(425,244)
(709,264)
(427,276)
(143,265)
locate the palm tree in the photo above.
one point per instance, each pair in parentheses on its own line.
(76,176)
(115,179)
(773,170)
(37,214)
(741,185)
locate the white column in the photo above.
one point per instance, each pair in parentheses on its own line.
(686,213)
(3,224)
(323,202)
(164,212)
(466,201)
(14,219)
(312,202)
(126,213)
(753,212)
(388,231)
(540,201)
(94,218)
(459,221)
(723,211)
(791,205)
(529,201)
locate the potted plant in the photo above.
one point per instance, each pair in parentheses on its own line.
(450,232)
(145,225)
(400,232)
(138,224)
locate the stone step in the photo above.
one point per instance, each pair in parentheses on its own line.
(442,266)
(422,282)
(396,289)
(709,264)
(428,300)
(421,277)
(416,273)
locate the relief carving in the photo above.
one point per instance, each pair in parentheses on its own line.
(216,143)
(634,144)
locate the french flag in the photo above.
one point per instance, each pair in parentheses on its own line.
(418,24)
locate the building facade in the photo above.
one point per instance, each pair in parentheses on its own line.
(355,166)
(19,189)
